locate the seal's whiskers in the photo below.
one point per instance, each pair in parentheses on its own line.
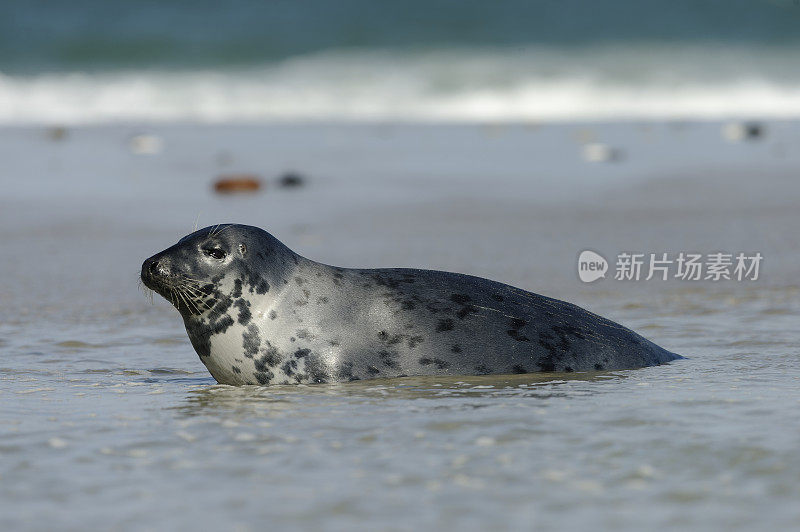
(216,232)
(146,291)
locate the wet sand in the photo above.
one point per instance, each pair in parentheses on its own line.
(109,417)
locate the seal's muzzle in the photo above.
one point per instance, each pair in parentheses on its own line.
(155,272)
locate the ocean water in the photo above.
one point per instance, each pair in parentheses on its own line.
(109,420)
(245,61)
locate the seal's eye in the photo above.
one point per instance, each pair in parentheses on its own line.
(214,253)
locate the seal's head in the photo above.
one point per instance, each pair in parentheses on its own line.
(214,265)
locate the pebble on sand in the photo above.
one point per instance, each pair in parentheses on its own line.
(57,443)
(57,133)
(597,152)
(146,144)
(237,183)
(742,131)
(291,180)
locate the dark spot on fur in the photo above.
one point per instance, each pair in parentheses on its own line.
(372,370)
(388,358)
(288,367)
(391,282)
(557,343)
(270,357)
(237,288)
(345,372)
(444,325)
(396,339)
(220,309)
(498,297)
(200,338)
(273,314)
(262,287)
(300,353)
(222,325)
(461,299)
(480,369)
(570,330)
(466,310)
(547,366)
(414,341)
(598,367)
(236,369)
(322,300)
(251,341)
(514,332)
(244,311)
(519,369)
(456,348)
(305,334)
(440,364)
(263,377)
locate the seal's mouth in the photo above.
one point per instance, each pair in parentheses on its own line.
(188,295)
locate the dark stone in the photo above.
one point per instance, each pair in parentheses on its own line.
(291,180)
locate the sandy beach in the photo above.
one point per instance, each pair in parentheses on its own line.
(109,417)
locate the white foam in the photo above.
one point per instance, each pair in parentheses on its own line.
(494,84)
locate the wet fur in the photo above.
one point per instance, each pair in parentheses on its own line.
(266,315)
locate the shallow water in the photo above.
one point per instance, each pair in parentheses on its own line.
(108,419)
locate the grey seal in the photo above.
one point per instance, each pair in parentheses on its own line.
(258,313)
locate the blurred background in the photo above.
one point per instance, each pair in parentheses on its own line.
(95,61)
(497,139)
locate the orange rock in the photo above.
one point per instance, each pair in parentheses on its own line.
(228,184)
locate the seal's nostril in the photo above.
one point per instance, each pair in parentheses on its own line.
(154,267)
